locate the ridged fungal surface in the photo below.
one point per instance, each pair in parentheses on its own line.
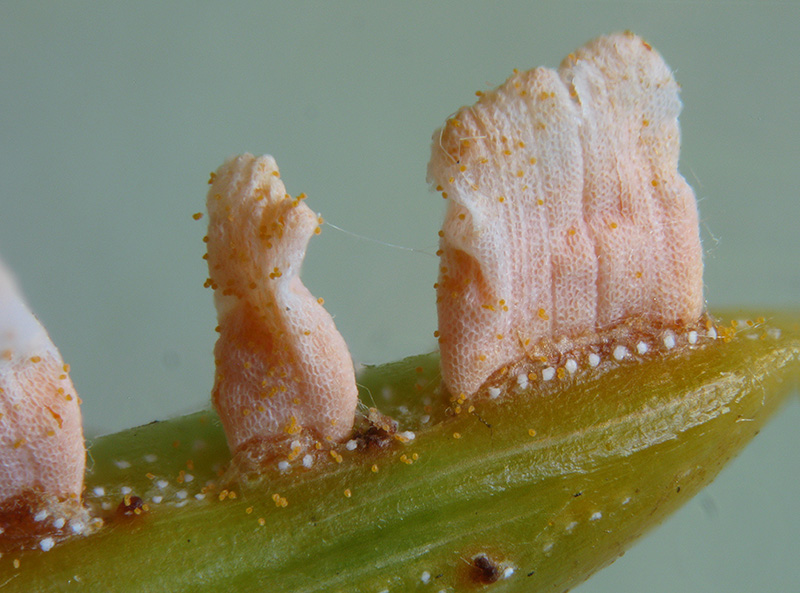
(566,212)
(41,439)
(282,368)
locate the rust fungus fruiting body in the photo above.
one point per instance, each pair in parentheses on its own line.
(282,369)
(42,455)
(566,206)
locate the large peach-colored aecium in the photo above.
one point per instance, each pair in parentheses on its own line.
(566,211)
(41,439)
(282,367)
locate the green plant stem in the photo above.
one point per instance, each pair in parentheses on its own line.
(550,484)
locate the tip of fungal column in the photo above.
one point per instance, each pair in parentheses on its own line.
(566,212)
(283,371)
(42,455)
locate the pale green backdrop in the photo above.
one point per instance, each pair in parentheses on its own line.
(113,114)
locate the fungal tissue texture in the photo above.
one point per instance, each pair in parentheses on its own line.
(282,368)
(566,213)
(41,438)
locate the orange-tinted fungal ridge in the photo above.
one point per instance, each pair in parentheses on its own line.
(566,211)
(42,455)
(282,369)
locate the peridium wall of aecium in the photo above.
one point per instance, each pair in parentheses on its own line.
(283,371)
(570,237)
(42,453)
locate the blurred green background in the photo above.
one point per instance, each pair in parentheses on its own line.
(113,115)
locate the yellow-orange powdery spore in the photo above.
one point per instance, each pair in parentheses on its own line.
(282,367)
(566,212)
(41,439)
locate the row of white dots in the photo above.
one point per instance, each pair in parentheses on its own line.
(619,353)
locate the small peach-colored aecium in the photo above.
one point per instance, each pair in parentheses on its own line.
(42,452)
(282,367)
(566,212)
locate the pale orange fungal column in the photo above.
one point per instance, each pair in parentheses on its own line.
(282,368)
(565,204)
(42,454)
(651,265)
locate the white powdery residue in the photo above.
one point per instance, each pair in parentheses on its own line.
(351,445)
(596,516)
(59,523)
(571,365)
(425,419)
(494,392)
(181,494)
(522,381)
(47,544)
(669,340)
(548,374)
(157,499)
(406,436)
(125,490)
(508,572)
(642,348)
(774,333)
(199,496)
(571,526)
(122,464)
(106,506)
(188,477)
(77,526)
(283,465)
(308,460)
(161,484)
(425,577)
(693,337)
(594,360)
(712,333)
(40,516)
(626,500)
(620,352)
(151,458)
(99,491)
(547,547)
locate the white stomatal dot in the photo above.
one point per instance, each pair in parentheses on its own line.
(620,353)
(41,437)
(566,212)
(282,367)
